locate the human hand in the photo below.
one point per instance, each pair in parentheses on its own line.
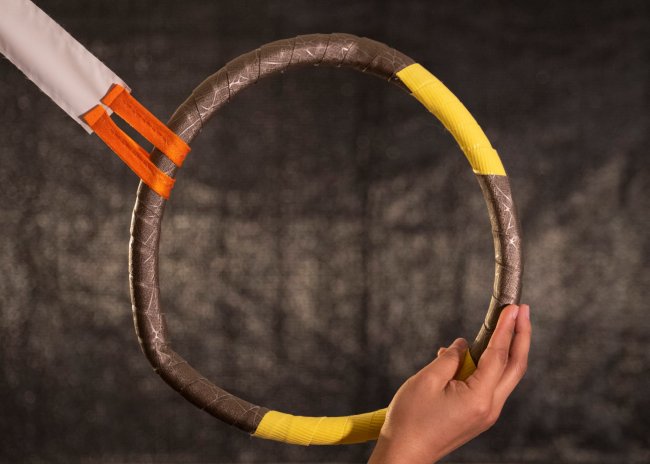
(432,414)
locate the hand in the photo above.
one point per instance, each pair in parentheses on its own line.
(432,414)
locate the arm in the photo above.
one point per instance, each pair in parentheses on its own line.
(432,414)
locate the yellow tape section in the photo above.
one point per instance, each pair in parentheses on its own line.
(300,430)
(439,100)
(467,368)
(344,430)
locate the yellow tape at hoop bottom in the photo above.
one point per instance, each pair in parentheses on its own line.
(301,430)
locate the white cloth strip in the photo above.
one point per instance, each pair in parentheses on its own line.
(59,65)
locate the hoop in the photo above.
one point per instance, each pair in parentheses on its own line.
(338,50)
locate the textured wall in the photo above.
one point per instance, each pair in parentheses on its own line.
(326,236)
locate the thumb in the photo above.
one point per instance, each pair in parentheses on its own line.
(446,364)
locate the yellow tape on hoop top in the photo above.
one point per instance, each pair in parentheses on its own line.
(454,116)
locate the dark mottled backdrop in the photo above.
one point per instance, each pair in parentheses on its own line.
(326,236)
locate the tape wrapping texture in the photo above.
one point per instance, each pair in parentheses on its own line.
(318,49)
(508,255)
(338,50)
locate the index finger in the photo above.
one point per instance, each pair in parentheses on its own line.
(495,357)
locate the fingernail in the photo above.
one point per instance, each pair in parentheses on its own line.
(515,312)
(460,342)
(526,311)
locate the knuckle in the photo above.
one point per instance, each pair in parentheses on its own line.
(521,367)
(428,377)
(492,418)
(525,332)
(500,354)
(482,410)
(486,415)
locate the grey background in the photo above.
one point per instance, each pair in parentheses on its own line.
(325,236)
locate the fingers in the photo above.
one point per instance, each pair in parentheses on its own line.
(446,364)
(518,360)
(494,360)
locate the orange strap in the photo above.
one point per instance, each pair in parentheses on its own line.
(128,108)
(129,151)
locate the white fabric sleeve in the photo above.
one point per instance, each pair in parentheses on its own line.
(59,65)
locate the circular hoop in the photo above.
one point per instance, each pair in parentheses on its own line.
(338,50)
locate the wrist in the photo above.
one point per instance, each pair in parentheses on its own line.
(390,451)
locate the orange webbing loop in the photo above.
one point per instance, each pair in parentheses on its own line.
(128,108)
(129,151)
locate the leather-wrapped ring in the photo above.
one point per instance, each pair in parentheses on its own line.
(338,50)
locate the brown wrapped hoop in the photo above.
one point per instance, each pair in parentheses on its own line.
(338,50)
